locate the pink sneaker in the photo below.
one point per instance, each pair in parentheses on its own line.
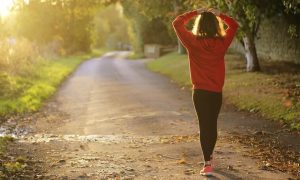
(206,170)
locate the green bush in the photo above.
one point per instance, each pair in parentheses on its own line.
(4,84)
(27,93)
(17,57)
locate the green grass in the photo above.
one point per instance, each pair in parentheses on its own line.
(41,85)
(174,66)
(134,56)
(4,140)
(9,167)
(254,92)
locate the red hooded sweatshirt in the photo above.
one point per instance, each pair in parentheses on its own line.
(206,56)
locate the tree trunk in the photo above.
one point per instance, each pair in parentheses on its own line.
(250,53)
(181,48)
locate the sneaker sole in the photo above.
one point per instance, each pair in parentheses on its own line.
(206,174)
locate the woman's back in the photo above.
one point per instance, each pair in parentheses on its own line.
(206,54)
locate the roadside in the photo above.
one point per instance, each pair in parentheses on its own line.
(25,92)
(263,97)
(114,119)
(273,93)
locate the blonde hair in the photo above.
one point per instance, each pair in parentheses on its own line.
(196,28)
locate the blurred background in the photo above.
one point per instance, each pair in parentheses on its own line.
(42,41)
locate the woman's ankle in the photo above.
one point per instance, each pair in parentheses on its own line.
(207,163)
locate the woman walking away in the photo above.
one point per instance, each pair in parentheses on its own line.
(206,47)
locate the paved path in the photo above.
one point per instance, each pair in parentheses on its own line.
(115,119)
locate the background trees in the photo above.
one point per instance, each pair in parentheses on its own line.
(72,26)
(147,22)
(157,15)
(249,14)
(110,28)
(65,22)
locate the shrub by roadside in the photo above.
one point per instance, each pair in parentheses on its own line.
(134,56)
(26,83)
(274,95)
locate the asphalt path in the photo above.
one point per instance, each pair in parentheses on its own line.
(113,118)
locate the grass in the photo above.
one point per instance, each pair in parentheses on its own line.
(274,96)
(3,142)
(34,89)
(6,166)
(174,66)
(134,56)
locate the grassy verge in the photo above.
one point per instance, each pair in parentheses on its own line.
(275,96)
(9,166)
(4,140)
(31,91)
(134,56)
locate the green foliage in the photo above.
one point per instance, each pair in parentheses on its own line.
(12,167)
(148,22)
(254,92)
(67,23)
(27,93)
(292,31)
(174,66)
(3,142)
(17,56)
(39,87)
(17,59)
(291,6)
(110,31)
(134,56)
(249,13)
(4,84)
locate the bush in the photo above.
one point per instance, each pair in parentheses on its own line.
(4,84)
(17,57)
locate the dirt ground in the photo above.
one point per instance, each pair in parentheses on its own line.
(114,119)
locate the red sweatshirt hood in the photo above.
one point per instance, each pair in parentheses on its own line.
(211,46)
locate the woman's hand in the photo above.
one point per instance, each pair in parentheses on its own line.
(212,10)
(215,11)
(201,10)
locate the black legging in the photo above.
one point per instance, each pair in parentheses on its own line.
(207,105)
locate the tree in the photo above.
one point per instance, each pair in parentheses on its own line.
(46,21)
(110,31)
(249,13)
(292,9)
(164,11)
(147,27)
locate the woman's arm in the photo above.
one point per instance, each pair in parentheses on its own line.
(231,30)
(230,22)
(185,36)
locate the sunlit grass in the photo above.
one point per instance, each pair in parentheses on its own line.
(4,140)
(41,84)
(254,92)
(134,56)
(174,66)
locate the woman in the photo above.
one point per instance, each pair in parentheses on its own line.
(206,48)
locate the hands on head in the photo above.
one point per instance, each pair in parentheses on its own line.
(212,10)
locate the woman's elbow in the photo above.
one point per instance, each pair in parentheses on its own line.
(175,23)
